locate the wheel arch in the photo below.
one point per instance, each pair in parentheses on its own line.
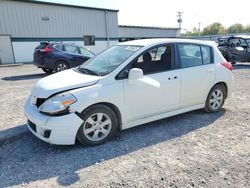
(222,84)
(113,107)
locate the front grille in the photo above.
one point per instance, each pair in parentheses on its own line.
(39,102)
(32,125)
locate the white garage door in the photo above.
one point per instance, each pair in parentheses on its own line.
(6,52)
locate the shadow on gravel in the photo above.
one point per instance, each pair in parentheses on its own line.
(29,159)
(24,77)
(241,66)
(12,134)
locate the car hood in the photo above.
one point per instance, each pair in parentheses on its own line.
(62,81)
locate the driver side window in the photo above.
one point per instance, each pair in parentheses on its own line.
(154,60)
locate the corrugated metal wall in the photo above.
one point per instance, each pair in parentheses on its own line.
(141,32)
(20,19)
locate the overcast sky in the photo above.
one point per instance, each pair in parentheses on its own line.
(163,13)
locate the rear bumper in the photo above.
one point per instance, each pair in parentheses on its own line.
(60,130)
(44,62)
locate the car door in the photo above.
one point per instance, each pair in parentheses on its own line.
(197,73)
(159,89)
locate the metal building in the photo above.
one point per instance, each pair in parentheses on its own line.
(23,24)
(138,32)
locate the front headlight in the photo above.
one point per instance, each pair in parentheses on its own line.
(57,104)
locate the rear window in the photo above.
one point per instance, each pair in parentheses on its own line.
(42,46)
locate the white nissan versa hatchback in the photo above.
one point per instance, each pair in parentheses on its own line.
(128,84)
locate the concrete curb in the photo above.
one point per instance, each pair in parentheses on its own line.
(11,65)
(12,134)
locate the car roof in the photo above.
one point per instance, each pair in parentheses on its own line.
(242,36)
(62,43)
(155,41)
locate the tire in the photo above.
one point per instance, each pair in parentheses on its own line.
(215,98)
(61,66)
(100,124)
(48,71)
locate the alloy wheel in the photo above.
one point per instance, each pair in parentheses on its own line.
(61,67)
(216,99)
(97,127)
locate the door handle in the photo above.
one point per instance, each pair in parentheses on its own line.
(210,70)
(174,78)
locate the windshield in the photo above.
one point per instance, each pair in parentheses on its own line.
(107,61)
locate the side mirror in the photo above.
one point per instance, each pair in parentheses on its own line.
(135,74)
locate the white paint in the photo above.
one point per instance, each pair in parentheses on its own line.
(147,99)
(52,84)
(23,51)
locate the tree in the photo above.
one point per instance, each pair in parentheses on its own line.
(214,29)
(247,29)
(194,32)
(236,28)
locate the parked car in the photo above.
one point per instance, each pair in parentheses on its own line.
(235,48)
(128,84)
(59,56)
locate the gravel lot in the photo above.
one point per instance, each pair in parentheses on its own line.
(195,149)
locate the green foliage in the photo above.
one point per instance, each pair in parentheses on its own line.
(247,29)
(214,29)
(218,29)
(236,28)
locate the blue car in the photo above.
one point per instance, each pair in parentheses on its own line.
(56,57)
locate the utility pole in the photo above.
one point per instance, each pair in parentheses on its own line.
(199,28)
(179,20)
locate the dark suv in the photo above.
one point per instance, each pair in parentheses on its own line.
(59,56)
(235,48)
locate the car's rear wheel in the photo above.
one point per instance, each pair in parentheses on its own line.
(215,98)
(100,124)
(46,70)
(61,66)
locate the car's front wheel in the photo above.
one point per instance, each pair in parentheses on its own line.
(215,98)
(61,66)
(100,124)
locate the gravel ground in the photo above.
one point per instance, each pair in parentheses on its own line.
(195,149)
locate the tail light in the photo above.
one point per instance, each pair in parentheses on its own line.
(227,65)
(46,50)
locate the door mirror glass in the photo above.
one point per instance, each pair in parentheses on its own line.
(135,74)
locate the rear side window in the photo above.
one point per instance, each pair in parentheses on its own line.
(206,54)
(191,55)
(59,46)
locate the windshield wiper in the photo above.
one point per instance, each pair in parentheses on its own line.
(88,71)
